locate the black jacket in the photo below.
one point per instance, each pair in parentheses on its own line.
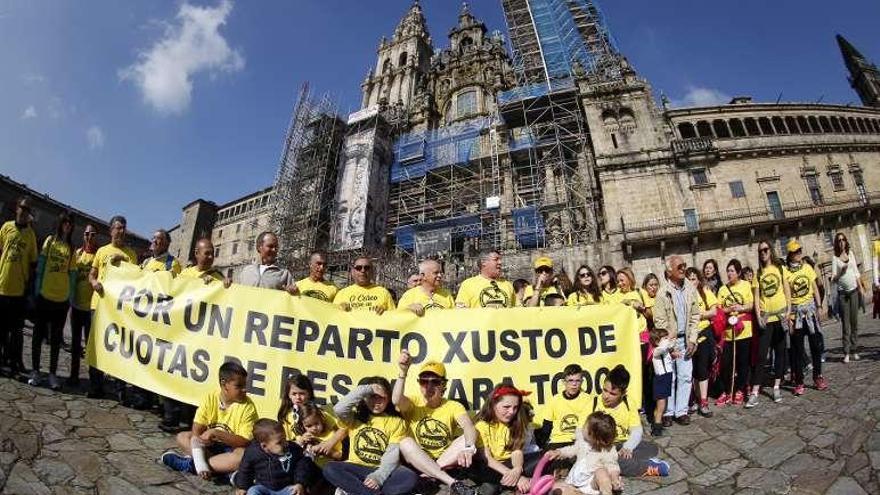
(261,468)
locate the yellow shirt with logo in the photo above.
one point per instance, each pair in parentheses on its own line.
(330,427)
(194,272)
(441,299)
(369,441)
(18,251)
(567,415)
(800,282)
(160,264)
(711,300)
(434,429)
(237,418)
(770,288)
(625,417)
(530,291)
(321,290)
(494,437)
(364,298)
(481,292)
(580,299)
(57,258)
(82,292)
(635,295)
(740,293)
(611,297)
(102,258)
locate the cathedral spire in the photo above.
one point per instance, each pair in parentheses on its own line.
(413,23)
(864,76)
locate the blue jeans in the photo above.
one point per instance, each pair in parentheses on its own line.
(682,379)
(262,490)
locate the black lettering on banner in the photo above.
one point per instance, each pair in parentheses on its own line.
(587,340)
(178,362)
(194,326)
(481,389)
(126,335)
(596,381)
(455,351)
(286,373)
(341,386)
(510,348)
(144,348)
(606,338)
(163,307)
(457,393)
(163,345)
(279,330)
(360,338)
(319,380)
(555,351)
(331,342)
(256,371)
(199,371)
(308,331)
(417,355)
(256,324)
(143,297)
(555,382)
(479,355)
(111,329)
(533,336)
(125,295)
(387,337)
(220,322)
(538,381)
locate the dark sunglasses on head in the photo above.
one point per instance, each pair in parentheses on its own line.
(431,381)
(362,268)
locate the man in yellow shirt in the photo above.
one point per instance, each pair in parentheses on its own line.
(18,259)
(429,293)
(315,285)
(80,302)
(204,267)
(542,285)
(487,289)
(161,260)
(364,294)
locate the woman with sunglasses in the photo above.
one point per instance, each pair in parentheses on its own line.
(806,318)
(443,435)
(711,275)
(705,356)
(80,301)
(845,273)
(608,284)
(586,288)
(737,300)
(772,307)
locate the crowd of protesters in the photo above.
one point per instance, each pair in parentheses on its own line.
(705,334)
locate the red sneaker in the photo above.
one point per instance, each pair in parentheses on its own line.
(723,400)
(799,389)
(821,383)
(738,398)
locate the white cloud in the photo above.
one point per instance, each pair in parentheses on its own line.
(701,97)
(32,79)
(95,137)
(29,113)
(191,45)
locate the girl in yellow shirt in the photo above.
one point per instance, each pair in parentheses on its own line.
(772,307)
(704,356)
(736,298)
(608,284)
(586,288)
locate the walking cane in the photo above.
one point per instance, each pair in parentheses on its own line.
(733,321)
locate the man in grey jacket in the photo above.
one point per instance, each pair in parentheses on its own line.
(265,273)
(677,311)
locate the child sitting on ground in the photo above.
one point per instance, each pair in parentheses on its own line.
(273,465)
(664,353)
(596,469)
(319,435)
(221,430)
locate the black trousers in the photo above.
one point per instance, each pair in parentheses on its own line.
(51,317)
(798,353)
(704,355)
(12,310)
(80,323)
(481,473)
(770,338)
(742,347)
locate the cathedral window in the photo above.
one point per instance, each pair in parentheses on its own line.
(466,104)
(386,67)
(736,128)
(792,125)
(686,130)
(836,178)
(752,127)
(826,127)
(779,125)
(844,123)
(720,128)
(766,129)
(699,177)
(814,125)
(835,124)
(466,43)
(704,129)
(737,190)
(402,61)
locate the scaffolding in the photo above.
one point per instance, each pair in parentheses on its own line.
(305,185)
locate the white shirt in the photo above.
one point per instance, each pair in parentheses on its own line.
(848,280)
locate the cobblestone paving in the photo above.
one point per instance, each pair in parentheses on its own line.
(821,443)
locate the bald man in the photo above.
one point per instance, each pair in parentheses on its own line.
(429,293)
(204,267)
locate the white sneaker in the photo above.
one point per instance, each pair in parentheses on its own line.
(339,491)
(846,358)
(777,395)
(34,378)
(856,357)
(752,402)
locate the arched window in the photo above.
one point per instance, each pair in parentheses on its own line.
(720,128)
(686,130)
(736,128)
(466,43)
(876,125)
(387,66)
(862,127)
(835,124)
(752,127)
(704,129)
(844,124)
(766,128)
(853,125)
(466,104)
(792,125)
(779,125)
(814,125)
(402,60)
(826,126)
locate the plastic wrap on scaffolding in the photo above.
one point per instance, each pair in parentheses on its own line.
(528,225)
(417,153)
(426,236)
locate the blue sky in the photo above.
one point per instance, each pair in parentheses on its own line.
(140,107)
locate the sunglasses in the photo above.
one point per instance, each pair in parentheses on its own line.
(89,234)
(362,268)
(682,266)
(431,381)
(764,250)
(603,272)
(544,269)
(584,274)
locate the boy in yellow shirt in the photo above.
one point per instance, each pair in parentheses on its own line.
(565,412)
(222,428)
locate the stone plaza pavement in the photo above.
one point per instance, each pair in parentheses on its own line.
(63,443)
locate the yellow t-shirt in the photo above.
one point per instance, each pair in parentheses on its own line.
(625,417)
(740,293)
(567,415)
(57,254)
(635,295)
(580,299)
(646,299)
(364,298)
(160,264)
(711,300)
(102,259)
(801,282)
(194,272)
(330,427)
(323,290)
(18,251)
(481,292)
(370,440)
(771,291)
(441,299)
(530,291)
(494,436)
(237,418)
(614,296)
(337,448)
(82,293)
(434,429)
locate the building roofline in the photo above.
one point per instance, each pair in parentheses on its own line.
(245,197)
(745,107)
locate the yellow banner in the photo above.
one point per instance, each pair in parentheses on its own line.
(170,336)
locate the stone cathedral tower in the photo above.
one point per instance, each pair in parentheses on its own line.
(864,76)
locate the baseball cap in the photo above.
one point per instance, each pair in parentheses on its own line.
(793,246)
(435,367)
(543,261)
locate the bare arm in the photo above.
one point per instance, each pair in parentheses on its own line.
(398,398)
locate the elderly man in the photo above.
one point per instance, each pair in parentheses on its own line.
(677,310)
(487,289)
(161,261)
(429,293)
(315,285)
(265,273)
(18,259)
(364,294)
(543,284)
